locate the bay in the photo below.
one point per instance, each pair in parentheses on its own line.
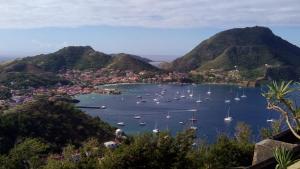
(153,103)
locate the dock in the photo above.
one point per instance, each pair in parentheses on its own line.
(89,107)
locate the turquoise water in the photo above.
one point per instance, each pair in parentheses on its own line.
(210,113)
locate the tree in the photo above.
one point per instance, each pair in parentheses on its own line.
(279,99)
(25,155)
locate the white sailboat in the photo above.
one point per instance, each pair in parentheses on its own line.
(193,120)
(271,119)
(199,100)
(228,118)
(209,92)
(121,123)
(243,95)
(168,116)
(137,117)
(155,130)
(237,97)
(191,94)
(142,123)
(227,101)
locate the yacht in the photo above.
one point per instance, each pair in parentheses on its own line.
(155,130)
(103,107)
(243,95)
(193,127)
(181,122)
(270,120)
(209,92)
(227,101)
(228,118)
(142,123)
(168,116)
(237,97)
(121,123)
(199,100)
(137,117)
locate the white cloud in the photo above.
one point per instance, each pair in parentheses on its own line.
(148,13)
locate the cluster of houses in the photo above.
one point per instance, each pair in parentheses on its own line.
(105,76)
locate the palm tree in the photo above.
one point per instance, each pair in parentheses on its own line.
(278,99)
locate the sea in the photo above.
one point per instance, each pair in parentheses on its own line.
(177,107)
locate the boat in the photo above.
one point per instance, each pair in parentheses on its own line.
(143,101)
(103,107)
(193,127)
(199,100)
(237,97)
(137,117)
(228,118)
(270,120)
(243,95)
(168,116)
(181,122)
(155,130)
(139,97)
(182,96)
(142,123)
(193,119)
(157,102)
(191,94)
(227,101)
(121,123)
(209,92)
(155,99)
(138,102)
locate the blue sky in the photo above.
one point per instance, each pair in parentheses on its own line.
(162,30)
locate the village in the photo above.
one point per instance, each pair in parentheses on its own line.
(86,82)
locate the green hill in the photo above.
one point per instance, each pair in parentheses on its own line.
(77,57)
(250,49)
(58,123)
(128,62)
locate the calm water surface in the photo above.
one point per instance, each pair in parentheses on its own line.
(210,113)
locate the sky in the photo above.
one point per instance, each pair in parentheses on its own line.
(158,29)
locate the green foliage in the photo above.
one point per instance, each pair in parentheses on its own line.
(243,132)
(151,151)
(58,123)
(274,129)
(226,153)
(23,80)
(25,155)
(4,93)
(283,157)
(197,78)
(278,98)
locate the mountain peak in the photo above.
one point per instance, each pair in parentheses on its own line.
(76,49)
(249,48)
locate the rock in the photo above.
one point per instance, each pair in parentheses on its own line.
(264,149)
